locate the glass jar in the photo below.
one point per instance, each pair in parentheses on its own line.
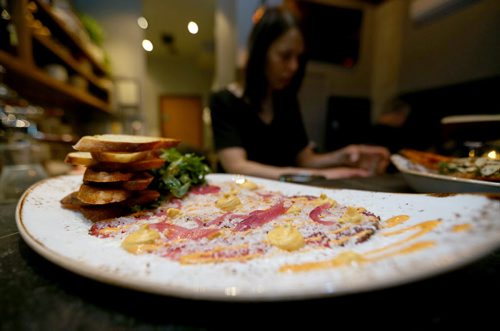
(20,168)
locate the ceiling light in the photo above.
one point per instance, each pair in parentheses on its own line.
(142,22)
(193,27)
(147,45)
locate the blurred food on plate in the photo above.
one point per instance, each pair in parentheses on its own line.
(479,168)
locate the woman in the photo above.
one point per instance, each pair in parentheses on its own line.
(258,128)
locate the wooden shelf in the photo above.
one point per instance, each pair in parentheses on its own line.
(69,60)
(43,39)
(34,82)
(68,36)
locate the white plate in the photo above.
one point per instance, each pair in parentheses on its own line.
(424,181)
(62,237)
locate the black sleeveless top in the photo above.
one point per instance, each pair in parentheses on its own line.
(236,124)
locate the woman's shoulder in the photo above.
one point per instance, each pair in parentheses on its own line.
(235,89)
(228,96)
(231,91)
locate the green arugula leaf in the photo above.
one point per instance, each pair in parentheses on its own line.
(180,172)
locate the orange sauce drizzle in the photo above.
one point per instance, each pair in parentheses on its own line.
(340,229)
(407,250)
(216,255)
(422,228)
(396,220)
(347,258)
(461,227)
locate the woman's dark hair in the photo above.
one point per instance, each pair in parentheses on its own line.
(275,22)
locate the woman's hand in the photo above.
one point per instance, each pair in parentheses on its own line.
(342,172)
(373,159)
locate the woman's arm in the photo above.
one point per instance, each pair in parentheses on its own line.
(375,159)
(234,160)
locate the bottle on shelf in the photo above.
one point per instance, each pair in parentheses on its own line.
(8,33)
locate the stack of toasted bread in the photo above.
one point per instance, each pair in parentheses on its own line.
(116,175)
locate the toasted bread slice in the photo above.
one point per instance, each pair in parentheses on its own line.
(101,196)
(91,175)
(97,213)
(71,201)
(80,158)
(120,157)
(138,182)
(129,167)
(143,197)
(122,143)
(104,212)
(94,212)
